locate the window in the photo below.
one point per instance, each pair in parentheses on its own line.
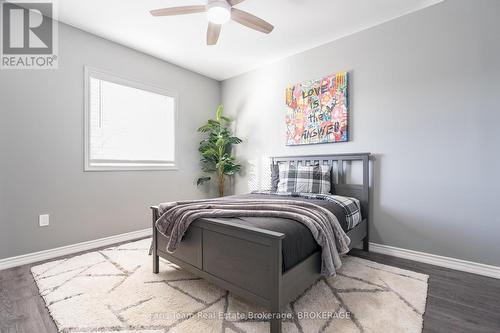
(128,125)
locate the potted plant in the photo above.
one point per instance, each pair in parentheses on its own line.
(216,150)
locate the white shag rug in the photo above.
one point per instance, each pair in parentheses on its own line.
(114,290)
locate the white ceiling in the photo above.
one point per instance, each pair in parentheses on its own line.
(299,25)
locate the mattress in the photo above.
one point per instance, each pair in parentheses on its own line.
(298,243)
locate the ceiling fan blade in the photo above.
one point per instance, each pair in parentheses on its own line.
(177,10)
(234,2)
(213,33)
(251,21)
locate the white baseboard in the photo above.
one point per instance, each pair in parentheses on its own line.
(70,249)
(458,264)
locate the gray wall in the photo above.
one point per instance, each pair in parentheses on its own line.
(41,142)
(425,100)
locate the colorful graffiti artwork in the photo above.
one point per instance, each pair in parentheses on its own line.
(317,111)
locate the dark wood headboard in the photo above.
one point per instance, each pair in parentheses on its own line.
(337,162)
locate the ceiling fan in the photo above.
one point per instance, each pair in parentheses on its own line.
(218,13)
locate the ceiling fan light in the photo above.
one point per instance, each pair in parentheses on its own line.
(218,13)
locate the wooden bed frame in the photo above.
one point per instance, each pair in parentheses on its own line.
(247,261)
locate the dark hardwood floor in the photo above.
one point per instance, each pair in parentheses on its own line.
(457,301)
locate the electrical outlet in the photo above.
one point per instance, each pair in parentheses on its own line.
(43,220)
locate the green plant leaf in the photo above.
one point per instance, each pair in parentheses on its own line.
(216,147)
(218,113)
(202,180)
(214,123)
(205,128)
(209,153)
(234,140)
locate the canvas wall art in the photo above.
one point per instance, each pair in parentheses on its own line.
(317,111)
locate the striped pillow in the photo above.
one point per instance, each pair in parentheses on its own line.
(304,179)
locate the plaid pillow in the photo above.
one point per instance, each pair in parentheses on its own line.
(304,179)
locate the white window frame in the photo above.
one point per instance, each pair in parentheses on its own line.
(132,166)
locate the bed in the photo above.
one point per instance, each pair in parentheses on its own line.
(249,260)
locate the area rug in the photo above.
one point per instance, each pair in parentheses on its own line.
(114,290)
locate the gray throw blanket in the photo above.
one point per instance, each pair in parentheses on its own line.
(175,218)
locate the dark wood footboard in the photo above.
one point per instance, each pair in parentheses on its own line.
(244,260)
